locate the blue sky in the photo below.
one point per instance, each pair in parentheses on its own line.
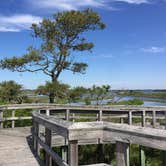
(129,54)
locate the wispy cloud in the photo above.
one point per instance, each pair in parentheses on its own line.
(76,4)
(68,4)
(17,23)
(154,49)
(133,1)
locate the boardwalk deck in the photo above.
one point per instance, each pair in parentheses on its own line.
(15,148)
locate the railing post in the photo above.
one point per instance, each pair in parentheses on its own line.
(64,148)
(64,153)
(1,118)
(35,138)
(130,117)
(154,119)
(122,154)
(13,121)
(48,112)
(100,115)
(73,153)
(67,115)
(165,120)
(73,117)
(48,140)
(142,155)
(121,120)
(143,118)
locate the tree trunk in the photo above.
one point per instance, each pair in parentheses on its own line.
(51,98)
(51,95)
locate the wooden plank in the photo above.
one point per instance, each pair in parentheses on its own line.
(122,154)
(35,143)
(48,141)
(142,155)
(64,153)
(130,117)
(73,153)
(54,155)
(143,118)
(154,138)
(13,115)
(154,118)
(1,119)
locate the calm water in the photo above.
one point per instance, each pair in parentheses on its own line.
(145,99)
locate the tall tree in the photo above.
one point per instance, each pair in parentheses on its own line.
(56,89)
(59,37)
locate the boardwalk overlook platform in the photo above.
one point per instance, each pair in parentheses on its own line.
(64,126)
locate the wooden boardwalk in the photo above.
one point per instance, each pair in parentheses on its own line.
(15,148)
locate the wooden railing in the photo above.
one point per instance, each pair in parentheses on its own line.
(53,125)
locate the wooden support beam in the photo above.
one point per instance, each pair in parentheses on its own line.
(164,158)
(48,140)
(122,154)
(73,117)
(121,120)
(143,118)
(13,121)
(130,117)
(67,115)
(142,155)
(100,115)
(1,118)
(64,153)
(48,112)
(154,118)
(73,153)
(35,140)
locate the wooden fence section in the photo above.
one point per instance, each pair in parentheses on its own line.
(134,125)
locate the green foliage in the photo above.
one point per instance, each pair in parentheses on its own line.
(55,90)
(60,36)
(99,93)
(76,94)
(11,92)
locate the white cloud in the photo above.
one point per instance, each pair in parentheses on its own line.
(16,23)
(154,49)
(68,4)
(76,4)
(133,1)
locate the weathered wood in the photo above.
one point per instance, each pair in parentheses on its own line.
(142,155)
(73,153)
(1,119)
(13,115)
(48,112)
(100,115)
(35,143)
(121,120)
(67,115)
(54,155)
(122,157)
(64,153)
(154,138)
(48,141)
(154,118)
(143,118)
(15,148)
(130,117)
